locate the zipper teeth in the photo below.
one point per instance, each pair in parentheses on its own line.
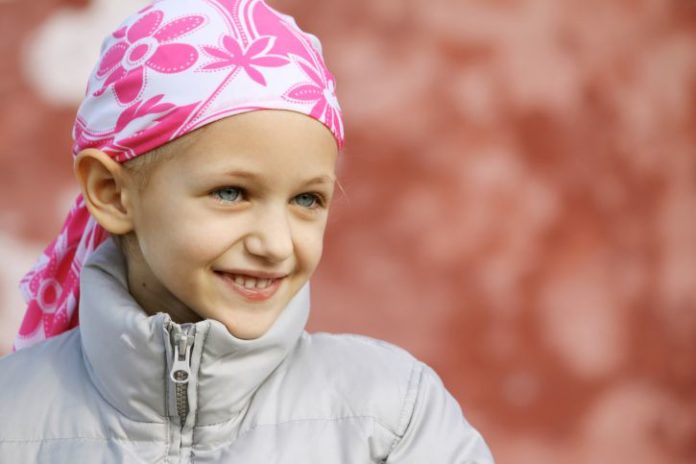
(182,406)
(182,342)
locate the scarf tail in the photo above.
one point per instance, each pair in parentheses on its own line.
(51,289)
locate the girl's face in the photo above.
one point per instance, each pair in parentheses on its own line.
(231,226)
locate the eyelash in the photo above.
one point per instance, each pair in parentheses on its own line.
(319,201)
(215,193)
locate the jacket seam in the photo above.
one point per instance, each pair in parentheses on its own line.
(168,441)
(409,399)
(78,438)
(198,378)
(198,406)
(235,415)
(409,404)
(291,421)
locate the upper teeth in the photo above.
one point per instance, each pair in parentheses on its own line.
(251,282)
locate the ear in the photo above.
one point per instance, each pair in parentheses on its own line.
(105,189)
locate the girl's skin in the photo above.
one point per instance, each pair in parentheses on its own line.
(246,196)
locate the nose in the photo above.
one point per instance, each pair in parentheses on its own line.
(271,236)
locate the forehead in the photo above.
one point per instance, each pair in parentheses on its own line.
(280,143)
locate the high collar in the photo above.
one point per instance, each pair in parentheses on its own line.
(126,350)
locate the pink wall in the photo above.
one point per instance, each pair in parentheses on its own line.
(519,207)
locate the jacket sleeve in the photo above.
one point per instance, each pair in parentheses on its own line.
(435,431)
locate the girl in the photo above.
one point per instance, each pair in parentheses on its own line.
(205,149)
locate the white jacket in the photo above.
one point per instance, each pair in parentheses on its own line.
(104,393)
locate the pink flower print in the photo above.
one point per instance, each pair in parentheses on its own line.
(233,54)
(165,120)
(322,92)
(140,109)
(146,45)
(51,288)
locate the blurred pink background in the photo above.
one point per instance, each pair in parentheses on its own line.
(519,207)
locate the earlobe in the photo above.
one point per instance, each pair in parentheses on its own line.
(103,184)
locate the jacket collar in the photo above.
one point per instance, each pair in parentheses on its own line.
(127,354)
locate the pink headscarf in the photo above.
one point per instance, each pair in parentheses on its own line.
(173,67)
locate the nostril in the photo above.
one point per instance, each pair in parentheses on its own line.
(271,247)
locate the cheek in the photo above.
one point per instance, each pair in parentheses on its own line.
(309,246)
(177,236)
(192,242)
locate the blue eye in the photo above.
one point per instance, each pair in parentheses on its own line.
(308,200)
(228,194)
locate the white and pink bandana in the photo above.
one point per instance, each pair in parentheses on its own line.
(173,67)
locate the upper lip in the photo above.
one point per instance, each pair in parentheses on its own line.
(255,274)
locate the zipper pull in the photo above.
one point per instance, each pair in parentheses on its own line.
(182,340)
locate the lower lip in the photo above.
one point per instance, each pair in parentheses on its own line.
(252,294)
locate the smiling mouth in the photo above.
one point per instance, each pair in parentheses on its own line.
(251,287)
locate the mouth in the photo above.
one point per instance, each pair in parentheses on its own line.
(258,287)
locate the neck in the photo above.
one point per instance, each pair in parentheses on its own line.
(149,293)
(152,302)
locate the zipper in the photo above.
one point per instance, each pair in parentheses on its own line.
(182,336)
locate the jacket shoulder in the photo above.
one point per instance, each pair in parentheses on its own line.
(41,386)
(40,365)
(407,397)
(361,355)
(352,376)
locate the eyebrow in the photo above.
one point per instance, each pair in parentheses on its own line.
(321,179)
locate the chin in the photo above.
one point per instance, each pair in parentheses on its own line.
(247,333)
(246,329)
